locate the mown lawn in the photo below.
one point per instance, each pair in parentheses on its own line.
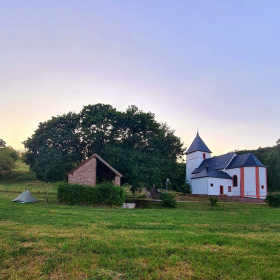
(194,241)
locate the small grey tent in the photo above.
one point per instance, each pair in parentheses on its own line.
(25,197)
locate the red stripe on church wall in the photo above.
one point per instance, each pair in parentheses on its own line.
(257,181)
(242,182)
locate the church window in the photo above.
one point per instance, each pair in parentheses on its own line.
(211,184)
(262,187)
(229,188)
(235,182)
(204,155)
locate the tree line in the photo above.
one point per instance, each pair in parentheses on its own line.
(8,156)
(133,142)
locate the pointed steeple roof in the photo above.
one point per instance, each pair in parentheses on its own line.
(198,145)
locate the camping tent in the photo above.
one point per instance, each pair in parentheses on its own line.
(25,197)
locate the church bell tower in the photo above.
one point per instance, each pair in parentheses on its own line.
(196,153)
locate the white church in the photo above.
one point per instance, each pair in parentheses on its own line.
(229,174)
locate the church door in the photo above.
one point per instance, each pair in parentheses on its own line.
(221,189)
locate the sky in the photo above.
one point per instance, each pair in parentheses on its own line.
(212,65)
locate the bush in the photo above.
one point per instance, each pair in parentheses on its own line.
(213,200)
(7,163)
(187,188)
(168,200)
(273,199)
(175,188)
(105,193)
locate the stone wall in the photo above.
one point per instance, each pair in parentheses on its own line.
(117,180)
(85,174)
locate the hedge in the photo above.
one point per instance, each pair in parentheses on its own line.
(273,199)
(105,193)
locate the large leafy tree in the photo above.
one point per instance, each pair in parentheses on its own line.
(143,150)
(273,168)
(8,156)
(55,141)
(98,127)
(2,143)
(7,163)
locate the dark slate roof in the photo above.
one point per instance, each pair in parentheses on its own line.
(198,145)
(215,163)
(207,172)
(245,160)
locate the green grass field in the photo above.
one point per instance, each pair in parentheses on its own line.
(195,241)
(21,179)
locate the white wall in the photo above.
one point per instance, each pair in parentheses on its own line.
(232,172)
(193,161)
(199,186)
(263,182)
(217,182)
(203,186)
(250,181)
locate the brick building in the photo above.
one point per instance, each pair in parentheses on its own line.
(89,170)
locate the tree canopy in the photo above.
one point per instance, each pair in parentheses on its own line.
(2,143)
(142,149)
(8,156)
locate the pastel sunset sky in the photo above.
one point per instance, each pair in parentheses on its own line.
(209,64)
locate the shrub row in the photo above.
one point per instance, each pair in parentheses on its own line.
(273,199)
(105,193)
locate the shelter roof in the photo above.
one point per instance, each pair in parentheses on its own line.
(99,158)
(245,160)
(198,145)
(215,163)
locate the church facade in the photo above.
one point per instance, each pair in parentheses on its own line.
(229,174)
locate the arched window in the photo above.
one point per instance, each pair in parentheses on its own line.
(204,155)
(262,187)
(235,181)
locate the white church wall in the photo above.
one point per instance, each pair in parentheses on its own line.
(263,182)
(199,186)
(193,161)
(191,165)
(232,172)
(250,181)
(217,182)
